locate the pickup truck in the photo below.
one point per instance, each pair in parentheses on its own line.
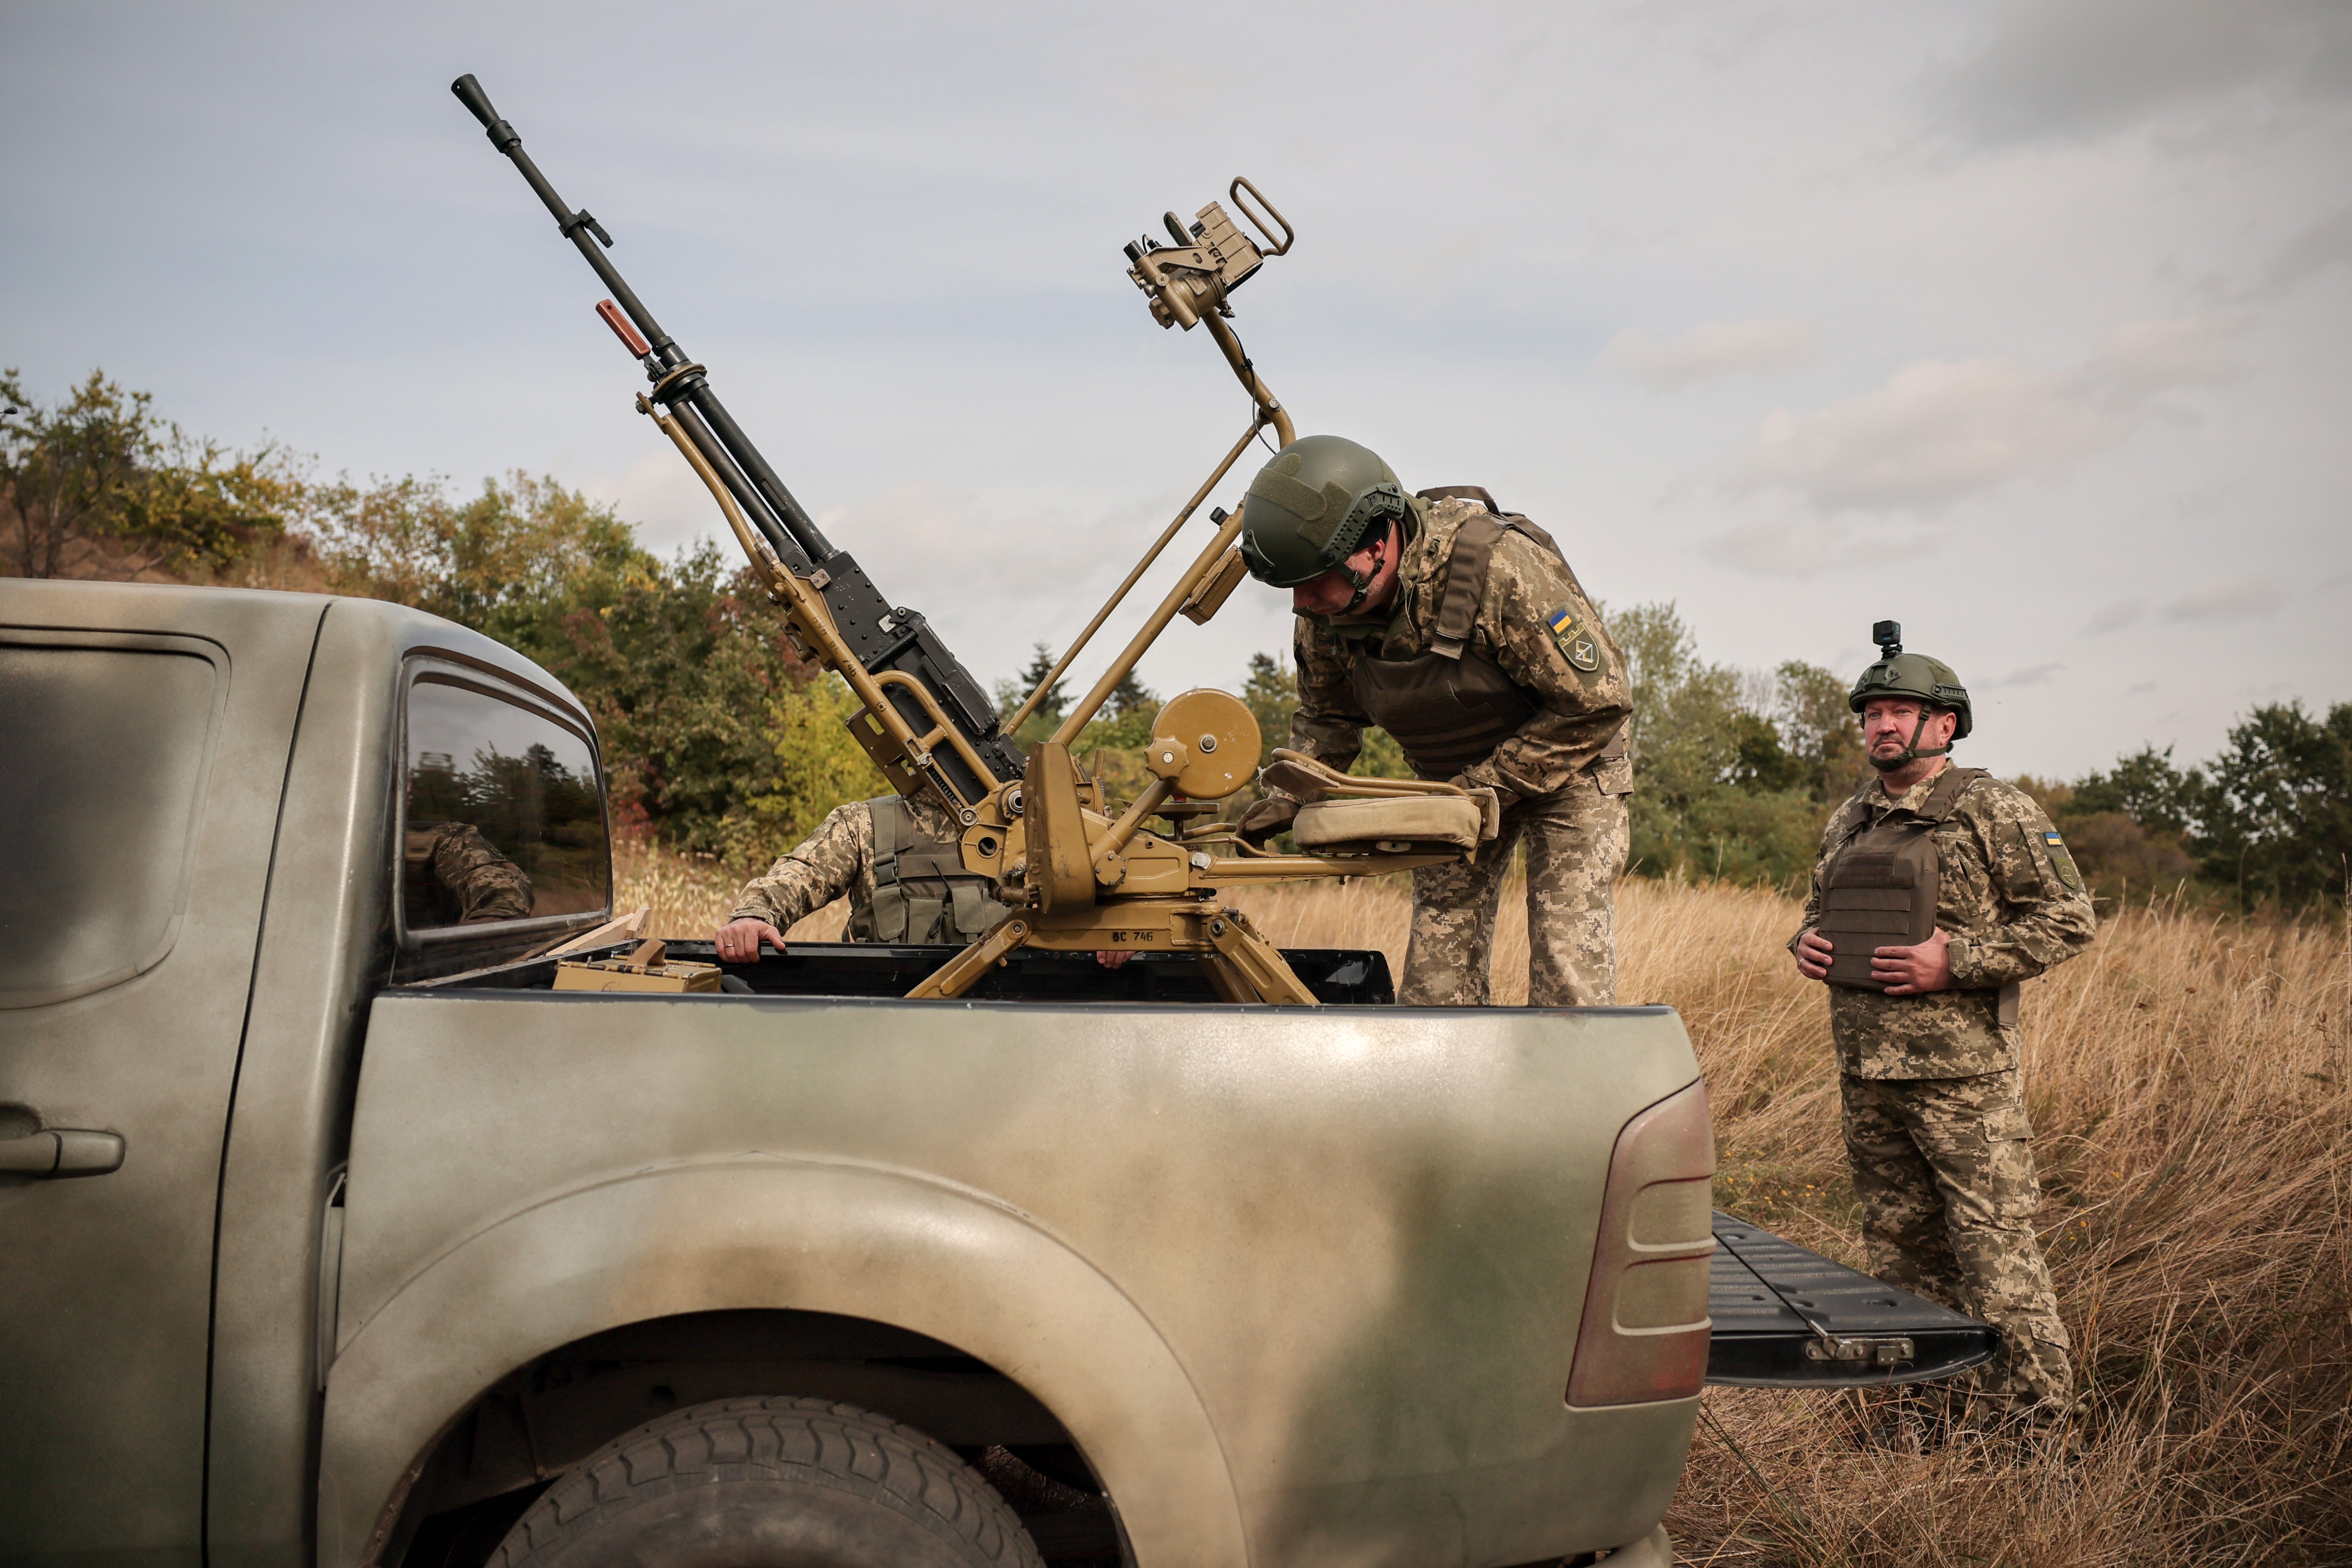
(334,1234)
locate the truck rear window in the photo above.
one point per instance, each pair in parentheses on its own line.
(106,748)
(504,818)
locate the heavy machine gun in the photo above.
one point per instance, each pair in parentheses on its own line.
(1081,872)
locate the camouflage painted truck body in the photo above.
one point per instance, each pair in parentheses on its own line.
(394,1232)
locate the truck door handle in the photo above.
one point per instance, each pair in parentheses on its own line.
(65,1151)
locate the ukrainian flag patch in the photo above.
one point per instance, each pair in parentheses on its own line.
(2062,860)
(1576,644)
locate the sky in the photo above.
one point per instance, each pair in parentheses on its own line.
(2027,323)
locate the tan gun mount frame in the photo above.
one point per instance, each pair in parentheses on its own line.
(904,757)
(1079,879)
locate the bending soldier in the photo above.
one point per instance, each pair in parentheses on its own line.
(1460,630)
(1938,891)
(897,859)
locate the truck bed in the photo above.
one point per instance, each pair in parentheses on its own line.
(1337,976)
(1785,1317)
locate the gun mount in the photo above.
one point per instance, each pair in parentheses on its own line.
(1081,872)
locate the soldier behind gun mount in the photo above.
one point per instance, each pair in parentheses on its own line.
(1460,630)
(1938,891)
(898,861)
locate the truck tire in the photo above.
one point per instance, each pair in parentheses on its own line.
(770,1482)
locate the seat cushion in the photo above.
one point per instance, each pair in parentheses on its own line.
(1411,819)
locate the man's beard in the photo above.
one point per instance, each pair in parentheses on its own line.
(1896,760)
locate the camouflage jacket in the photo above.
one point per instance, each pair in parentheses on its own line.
(837,858)
(1578,712)
(2013,904)
(474,881)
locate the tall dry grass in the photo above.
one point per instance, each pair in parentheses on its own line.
(2189,1083)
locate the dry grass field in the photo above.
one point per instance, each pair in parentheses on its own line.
(2189,1085)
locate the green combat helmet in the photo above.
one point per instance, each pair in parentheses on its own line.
(1308,509)
(1899,674)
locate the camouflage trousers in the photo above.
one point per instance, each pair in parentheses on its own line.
(1577,840)
(1945,1172)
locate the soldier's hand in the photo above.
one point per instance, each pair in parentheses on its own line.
(1914,971)
(1814,951)
(1112,958)
(740,940)
(1266,818)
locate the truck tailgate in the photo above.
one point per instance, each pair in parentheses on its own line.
(1788,1318)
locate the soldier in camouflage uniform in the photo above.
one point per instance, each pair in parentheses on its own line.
(458,877)
(1940,889)
(1460,630)
(897,859)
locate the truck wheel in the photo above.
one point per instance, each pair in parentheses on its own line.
(771,1483)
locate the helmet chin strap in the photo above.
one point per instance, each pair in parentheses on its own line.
(1362,581)
(1912,753)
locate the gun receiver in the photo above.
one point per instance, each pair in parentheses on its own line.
(927,722)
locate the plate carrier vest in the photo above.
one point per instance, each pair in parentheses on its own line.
(922,894)
(1450,707)
(1880,886)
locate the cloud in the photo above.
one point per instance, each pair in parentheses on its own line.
(1941,430)
(1710,349)
(2141,358)
(2032,675)
(2116,615)
(1808,546)
(2327,242)
(2074,69)
(2226,599)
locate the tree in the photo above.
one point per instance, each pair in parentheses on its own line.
(2146,788)
(1047,715)
(1728,768)
(816,764)
(512,562)
(1272,696)
(68,474)
(1818,729)
(2278,811)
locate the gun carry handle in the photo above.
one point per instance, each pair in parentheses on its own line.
(1266,230)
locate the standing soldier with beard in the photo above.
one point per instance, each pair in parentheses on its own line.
(1940,889)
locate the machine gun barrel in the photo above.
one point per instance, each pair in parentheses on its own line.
(895,649)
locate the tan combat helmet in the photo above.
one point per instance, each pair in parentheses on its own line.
(1308,509)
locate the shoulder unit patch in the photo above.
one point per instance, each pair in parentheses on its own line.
(1575,642)
(2062,860)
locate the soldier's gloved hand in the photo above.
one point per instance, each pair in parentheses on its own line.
(1814,953)
(1266,818)
(738,940)
(1493,800)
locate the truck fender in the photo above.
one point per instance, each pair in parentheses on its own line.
(758,1232)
